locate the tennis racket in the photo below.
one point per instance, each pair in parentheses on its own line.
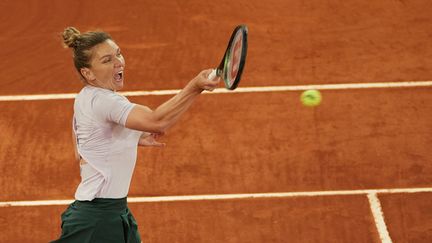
(231,67)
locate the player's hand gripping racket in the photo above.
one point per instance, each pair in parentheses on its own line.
(231,67)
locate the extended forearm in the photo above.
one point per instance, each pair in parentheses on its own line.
(169,112)
(142,118)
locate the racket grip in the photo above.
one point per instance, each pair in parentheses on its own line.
(212,75)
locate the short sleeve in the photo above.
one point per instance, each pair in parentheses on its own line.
(111,107)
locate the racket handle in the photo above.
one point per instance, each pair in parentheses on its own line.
(212,75)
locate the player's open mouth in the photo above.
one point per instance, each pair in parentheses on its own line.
(118,76)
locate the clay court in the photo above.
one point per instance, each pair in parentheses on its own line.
(251,165)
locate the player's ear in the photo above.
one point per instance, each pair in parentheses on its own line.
(87,74)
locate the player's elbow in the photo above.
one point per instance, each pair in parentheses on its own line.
(146,120)
(155,124)
(160,126)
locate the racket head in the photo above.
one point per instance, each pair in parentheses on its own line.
(232,65)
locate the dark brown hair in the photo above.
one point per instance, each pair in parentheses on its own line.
(81,45)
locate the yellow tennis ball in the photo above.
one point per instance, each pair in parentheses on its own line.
(311,98)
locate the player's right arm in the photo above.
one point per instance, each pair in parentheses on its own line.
(143,118)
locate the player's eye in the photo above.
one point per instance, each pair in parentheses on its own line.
(119,54)
(106,60)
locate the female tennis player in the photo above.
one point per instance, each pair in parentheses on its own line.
(107,129)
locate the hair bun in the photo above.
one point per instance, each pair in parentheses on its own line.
(70,37)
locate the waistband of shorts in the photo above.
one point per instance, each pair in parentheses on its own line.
(102,204)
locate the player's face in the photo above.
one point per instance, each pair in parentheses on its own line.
(107,66)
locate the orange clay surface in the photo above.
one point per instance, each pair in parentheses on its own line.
(260,220)
(233,143)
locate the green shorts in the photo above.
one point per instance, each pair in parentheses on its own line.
(99,220)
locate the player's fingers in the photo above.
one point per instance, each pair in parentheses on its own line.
(204,83)
(157,135)
(157,144)
(205,73)
(214,81)
(210,87)
(212,84)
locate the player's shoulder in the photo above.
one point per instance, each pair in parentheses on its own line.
(95,93)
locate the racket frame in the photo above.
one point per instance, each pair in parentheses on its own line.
(221,70)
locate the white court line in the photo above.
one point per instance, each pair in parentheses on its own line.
(238,90)
(229,196)
(378,216)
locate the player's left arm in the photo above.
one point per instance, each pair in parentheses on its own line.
(76,154)
(150,139)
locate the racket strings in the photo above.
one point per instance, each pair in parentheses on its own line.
(234,58)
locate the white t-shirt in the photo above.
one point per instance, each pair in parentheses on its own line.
(108,147)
